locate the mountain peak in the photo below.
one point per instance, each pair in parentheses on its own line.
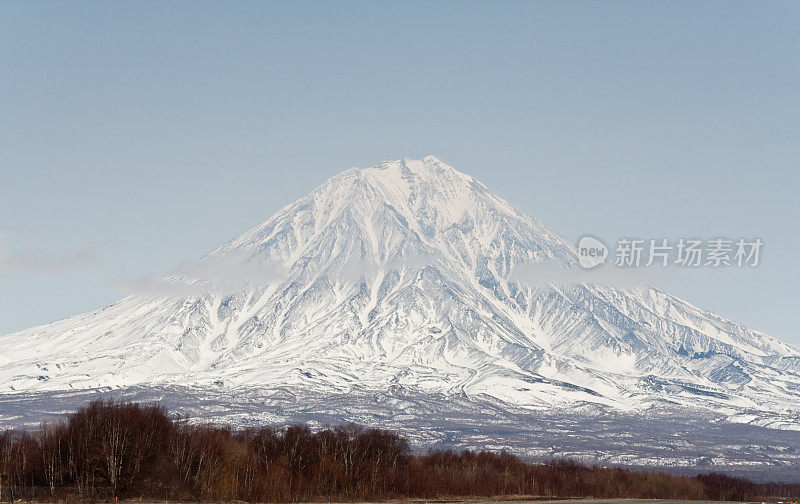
(400,275)
(430,158)
(412,205)
(428,170)
(394,283)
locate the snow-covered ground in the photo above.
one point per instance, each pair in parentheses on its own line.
(681,441)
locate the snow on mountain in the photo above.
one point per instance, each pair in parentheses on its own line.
(400,275)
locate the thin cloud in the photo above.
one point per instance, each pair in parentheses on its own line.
(234,272)
(548,273)
(36,262)
(212,274)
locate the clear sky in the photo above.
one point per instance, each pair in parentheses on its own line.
(137,135)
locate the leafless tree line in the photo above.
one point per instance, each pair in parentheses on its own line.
(110,448)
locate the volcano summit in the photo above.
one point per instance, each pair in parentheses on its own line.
(387,295)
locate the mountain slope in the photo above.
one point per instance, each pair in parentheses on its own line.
(400,275)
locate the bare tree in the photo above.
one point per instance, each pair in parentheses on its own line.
(51,444)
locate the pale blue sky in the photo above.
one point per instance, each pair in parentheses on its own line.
(137,135)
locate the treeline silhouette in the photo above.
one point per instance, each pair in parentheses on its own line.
(113,449)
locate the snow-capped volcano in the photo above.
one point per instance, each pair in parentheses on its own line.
(399,277)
